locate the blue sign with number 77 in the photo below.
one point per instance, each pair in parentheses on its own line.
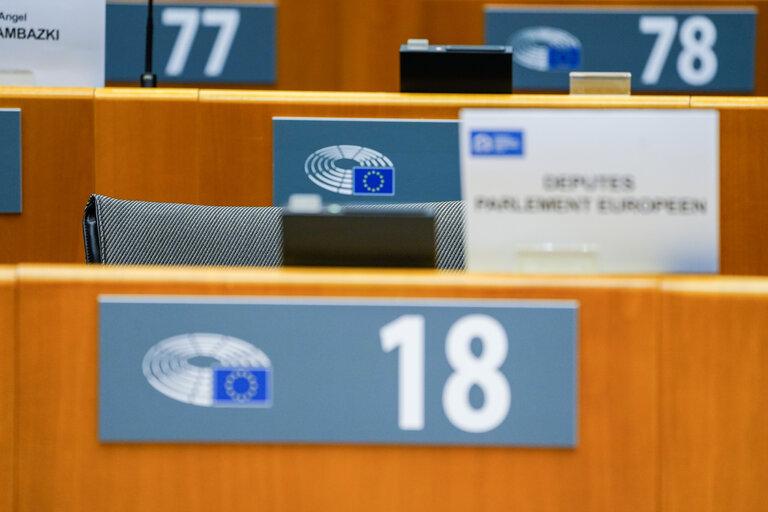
(675,50)
(193,43)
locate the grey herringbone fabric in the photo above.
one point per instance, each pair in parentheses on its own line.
(138,232)
(143,233)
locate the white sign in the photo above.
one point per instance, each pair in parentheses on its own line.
(587,191)
(57,43)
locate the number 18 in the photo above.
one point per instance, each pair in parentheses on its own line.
(407,333)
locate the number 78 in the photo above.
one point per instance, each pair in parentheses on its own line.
(697,36)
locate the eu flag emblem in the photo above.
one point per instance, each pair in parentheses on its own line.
(374,181)
(246,387)
(564,58)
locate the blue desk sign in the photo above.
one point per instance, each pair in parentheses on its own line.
(10,160)
(346,370)
(673,50)
(194,43)
(366,160)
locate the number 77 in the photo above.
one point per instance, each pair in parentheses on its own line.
(188,19)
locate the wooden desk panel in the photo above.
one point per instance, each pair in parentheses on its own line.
(7,387)
(462,22)
(57,174)
(713,382)
(236,127)
(165,145)
(743,182)
(349,45)
(146,144)
(63,467)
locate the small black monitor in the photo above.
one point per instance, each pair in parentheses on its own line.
(360,236)
(455,69)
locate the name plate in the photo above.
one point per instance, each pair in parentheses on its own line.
(586,191)
(52,43)
(193,43)
(361,370)
(366,160)
(674,50)
(10,160)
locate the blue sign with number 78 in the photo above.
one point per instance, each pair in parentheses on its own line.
(675,50)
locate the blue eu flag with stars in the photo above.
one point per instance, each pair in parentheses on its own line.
(564,59)
(246,387)
(374,181)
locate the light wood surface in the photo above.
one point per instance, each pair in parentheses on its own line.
(63,467)
(215,147)
(374,30)
(743,182)
(672,379)
(7,387)
(146,144)
(713,382)
(57,174)
(353,45)
(237,126)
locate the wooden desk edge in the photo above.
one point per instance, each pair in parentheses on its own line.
(7,273)
(447,100)
(47,92)
(331,276)
(723,285)
(139,94)
(736,102)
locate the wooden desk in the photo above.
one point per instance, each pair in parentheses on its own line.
(63,467)
(672,380)
(349,45)
(713,378)
(57,174)
(240,125)
(237,126)
(461,22)
(146,144)
(7,387)
(215,147)
(743,182)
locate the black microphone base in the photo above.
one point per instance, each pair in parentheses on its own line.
(148,80)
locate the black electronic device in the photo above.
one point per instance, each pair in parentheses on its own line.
(455,69)
(360,236)
(148,78)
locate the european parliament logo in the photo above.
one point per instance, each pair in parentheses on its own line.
(496,143)
(374,181)
(546,49)
(210,370)
(335,168)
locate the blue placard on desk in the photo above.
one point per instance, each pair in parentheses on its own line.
(353,161)
(452,372)
(10,160)
(193,43)
(675,50)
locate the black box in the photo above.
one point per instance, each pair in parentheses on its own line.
(360,237)
(456,69)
